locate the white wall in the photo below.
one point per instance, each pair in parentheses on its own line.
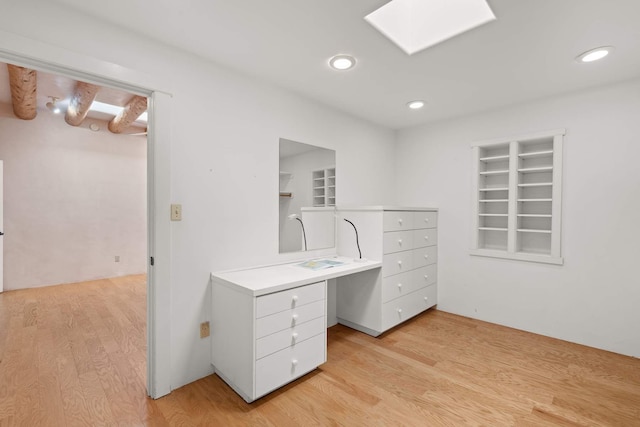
(592,299)
(73,198)
(224,159)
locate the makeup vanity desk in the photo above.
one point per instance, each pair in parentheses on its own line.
(269,323)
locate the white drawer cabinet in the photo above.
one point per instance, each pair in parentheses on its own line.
(260,343)
(405,240)
(405,307)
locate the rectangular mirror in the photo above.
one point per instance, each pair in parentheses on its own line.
(307,197)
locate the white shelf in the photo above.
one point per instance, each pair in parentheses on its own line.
(324,185)
(495,189)
(528,171)
(529,230)
(500,172)
(536,169)
(544,153)
(537,184)
(494,158)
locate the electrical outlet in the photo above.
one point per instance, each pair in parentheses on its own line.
(117,258)
(176,212)
(205,331)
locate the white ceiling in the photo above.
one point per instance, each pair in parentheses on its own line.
(527,53)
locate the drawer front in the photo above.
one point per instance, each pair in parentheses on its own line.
(397,263)
(425,276)
(396,241)
(289,318)
(291,298)
(400,284)
(425,219)
(289,337)
(397,220)
(400,309)
(425,237)
(425,256)
(286,365)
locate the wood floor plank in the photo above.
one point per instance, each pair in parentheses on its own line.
(75,354)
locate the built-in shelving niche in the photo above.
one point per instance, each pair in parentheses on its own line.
(517,190)
(324,187)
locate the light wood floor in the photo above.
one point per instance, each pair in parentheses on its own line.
(75,355)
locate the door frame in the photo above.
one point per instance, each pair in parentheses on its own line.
(41,56)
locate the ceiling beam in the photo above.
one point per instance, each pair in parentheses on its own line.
(23,83)
(136,106)
(83,96)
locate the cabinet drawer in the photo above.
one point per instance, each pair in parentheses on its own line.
(291,298)
(289,318)
(286,365)
(289,337)
(425,276)
(397,263)
(405,307)
(400,284)
(425,256)
(425,237)
(425,219)
(397,220)
(396,241)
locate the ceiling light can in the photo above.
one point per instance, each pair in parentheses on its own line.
(342,62)
(415,105)
(595,54)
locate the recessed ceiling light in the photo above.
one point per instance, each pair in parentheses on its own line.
(342,62)
(594,54)
(415,105)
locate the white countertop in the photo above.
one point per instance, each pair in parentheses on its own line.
(384,208)
(273,278)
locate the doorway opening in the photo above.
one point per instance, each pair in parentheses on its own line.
(45,58)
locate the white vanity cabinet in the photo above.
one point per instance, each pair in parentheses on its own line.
(260,343)
(405,241)
(268,324)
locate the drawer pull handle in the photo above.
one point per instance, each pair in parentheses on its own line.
(426,277)
(294,318)
(294,362)
(400,221)
(294,298)
(399,311)
(426,256)
(400,263)
(294,336)
(400,242)
(426,237)
(426,298)
(399,285)
(426,220)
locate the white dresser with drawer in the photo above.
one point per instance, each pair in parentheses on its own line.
(405,241)
(268,324)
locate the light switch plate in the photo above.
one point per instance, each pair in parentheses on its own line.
(176,212)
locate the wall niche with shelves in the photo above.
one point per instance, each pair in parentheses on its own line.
(324,187)
(517,190)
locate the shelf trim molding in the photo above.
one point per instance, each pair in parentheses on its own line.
(518,256)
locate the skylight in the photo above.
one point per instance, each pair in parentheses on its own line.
(415,25)
(114,110)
